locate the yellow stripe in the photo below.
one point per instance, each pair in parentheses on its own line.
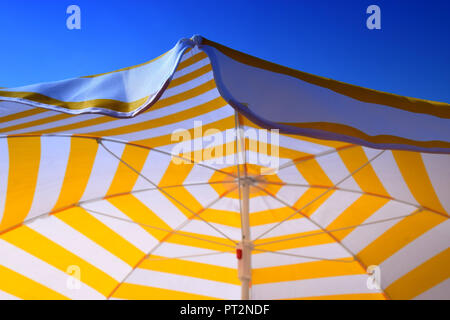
(327,143)
(313,173)
(133,127)
(266,149)
(81,159)
(125,179)
(190,76)
(78,125)
(138,292)
(185,95)
(422,278)
(22,114)
(312,239)
(366,178)
(163,121)
(24,158)
(221,244)
(379,139)
(58,257)
(191,269)
(25,288)
(191,60)
(110,104)
(175,175)
(402,233)
(99,233)
(224,217)
(303,271)
(271,216)
(356,213)
(309,196)
(416,177)
(38,122)
(138,212)
(363,94)
(221,125)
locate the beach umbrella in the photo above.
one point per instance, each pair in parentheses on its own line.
(209,173)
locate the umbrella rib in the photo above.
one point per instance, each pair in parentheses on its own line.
(163,191)
(324,229)
(154,188)
(305,257)
(341,229)
(182,225)
(61,135)
(152,227)
(316,198)
(189,256)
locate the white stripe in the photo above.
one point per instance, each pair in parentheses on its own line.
(186,55)
(8,108)
(199,174)
(438,292)
(390,176)
(334,206)
(52,168)
(185,284)
(296,224)
(438,168)
(361,237)
(296,144)
(191,68)
(204,194)
(201,228)
(188,85)
(103,171)
(35,269)
(161,206)
(81,246)
(153,114)
(4,170)
(326,251)
(256,204)
(154,169)
(336,170)
(6,296)
(173,250)
(291,174)
(415,253)
(288,194)
(205,118)
(54,124)
(312,287)
(34,117)
(131,232)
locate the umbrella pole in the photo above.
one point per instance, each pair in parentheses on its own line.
(244,263)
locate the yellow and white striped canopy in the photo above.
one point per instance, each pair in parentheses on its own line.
(92,190)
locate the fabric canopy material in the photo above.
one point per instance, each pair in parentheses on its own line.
(158,182)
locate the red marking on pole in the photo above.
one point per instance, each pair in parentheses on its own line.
(239,254)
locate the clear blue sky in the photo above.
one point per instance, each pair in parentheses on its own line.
(410,55)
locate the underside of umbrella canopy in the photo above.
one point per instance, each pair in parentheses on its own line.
(160,181)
